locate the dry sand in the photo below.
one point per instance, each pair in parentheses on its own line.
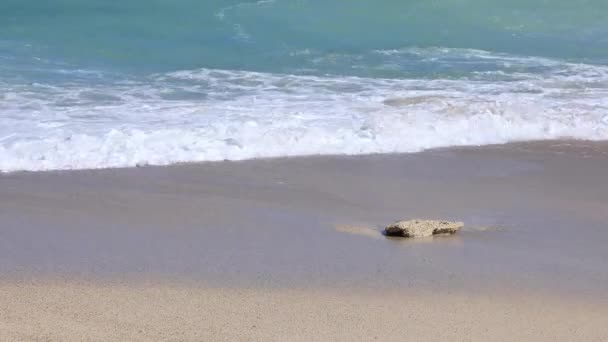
(289,249)
(97,312)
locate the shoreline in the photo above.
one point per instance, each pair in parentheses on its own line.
(588,147)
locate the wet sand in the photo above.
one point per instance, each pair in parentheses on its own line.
(283,239)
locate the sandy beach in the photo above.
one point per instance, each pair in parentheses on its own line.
(290,249)
(60,311)
(250,170)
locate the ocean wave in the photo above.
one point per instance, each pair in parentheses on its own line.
(208,114)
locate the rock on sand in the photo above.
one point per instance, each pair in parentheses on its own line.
(422,228)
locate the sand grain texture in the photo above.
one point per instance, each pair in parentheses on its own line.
(93,312)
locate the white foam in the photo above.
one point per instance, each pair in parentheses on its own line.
(208,115)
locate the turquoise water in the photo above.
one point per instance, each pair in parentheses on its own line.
(289,36)
(133,78)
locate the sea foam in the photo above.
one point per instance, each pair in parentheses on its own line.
(209,115)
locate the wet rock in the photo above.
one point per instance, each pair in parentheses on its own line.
(422,228)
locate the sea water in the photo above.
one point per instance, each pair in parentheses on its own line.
(97,83)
